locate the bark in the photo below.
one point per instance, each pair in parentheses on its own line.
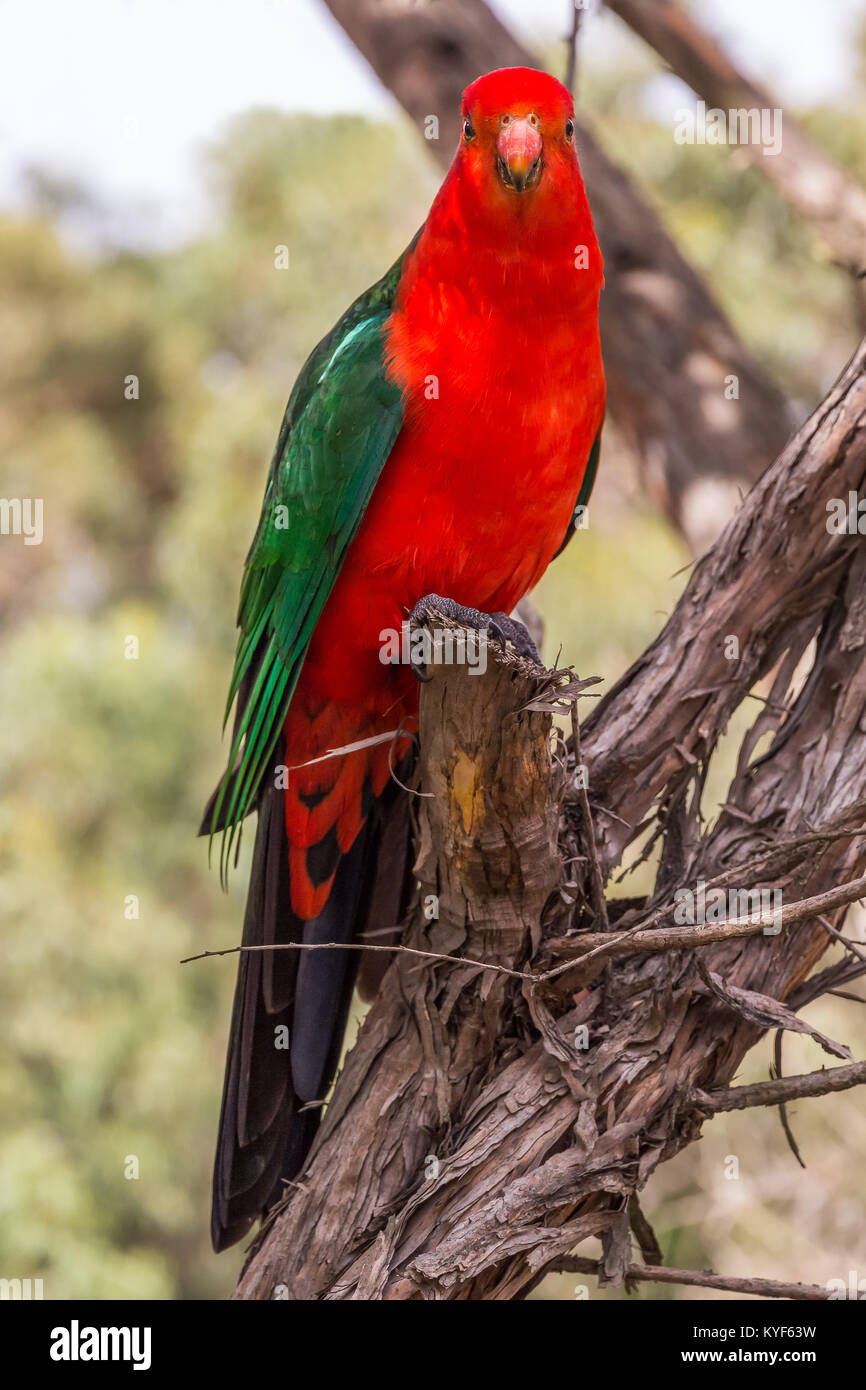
(485,1123)
(668,348)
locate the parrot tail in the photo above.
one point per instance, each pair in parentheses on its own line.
(290,1007)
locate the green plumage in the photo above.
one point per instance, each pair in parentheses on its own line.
(340,425)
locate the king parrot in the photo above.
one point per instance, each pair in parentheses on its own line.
(437,444)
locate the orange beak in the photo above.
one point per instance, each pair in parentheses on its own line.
(518,153)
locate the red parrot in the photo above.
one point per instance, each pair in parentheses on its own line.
(435,447)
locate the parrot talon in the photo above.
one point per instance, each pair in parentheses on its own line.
(509,629)
(499,627)
(419,671)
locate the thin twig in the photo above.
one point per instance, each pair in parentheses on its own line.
(783,1109)
(362,946)
(842,972)
(702,1279)
(844,940)
(643,1232)
(571,47)
(599,944)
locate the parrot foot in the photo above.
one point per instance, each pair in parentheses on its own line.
(498,626)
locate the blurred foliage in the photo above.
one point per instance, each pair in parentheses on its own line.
(111,1049)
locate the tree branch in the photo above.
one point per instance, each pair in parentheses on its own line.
(829,200)
(782,1089)
(586,946)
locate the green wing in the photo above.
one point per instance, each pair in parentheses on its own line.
(340,425)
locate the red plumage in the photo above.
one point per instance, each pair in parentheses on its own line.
(494,342)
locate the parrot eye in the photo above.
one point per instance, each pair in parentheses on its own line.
(468,130)
(569,129)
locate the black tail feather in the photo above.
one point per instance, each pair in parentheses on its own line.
(264,1136)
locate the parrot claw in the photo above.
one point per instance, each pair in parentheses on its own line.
(515,632)
(498,626)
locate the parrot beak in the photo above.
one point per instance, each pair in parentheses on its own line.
(518,152)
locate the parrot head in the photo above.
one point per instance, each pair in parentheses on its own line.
(517,138)
(512,216)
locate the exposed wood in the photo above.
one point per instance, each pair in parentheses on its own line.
(487,863)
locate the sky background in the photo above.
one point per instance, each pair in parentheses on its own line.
(123,94)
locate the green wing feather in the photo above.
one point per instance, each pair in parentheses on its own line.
(340,425)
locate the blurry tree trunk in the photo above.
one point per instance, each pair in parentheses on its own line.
(669,351)
(824,194)
(507,1101)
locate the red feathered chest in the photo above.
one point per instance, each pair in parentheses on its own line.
(499,359)
(504,393)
